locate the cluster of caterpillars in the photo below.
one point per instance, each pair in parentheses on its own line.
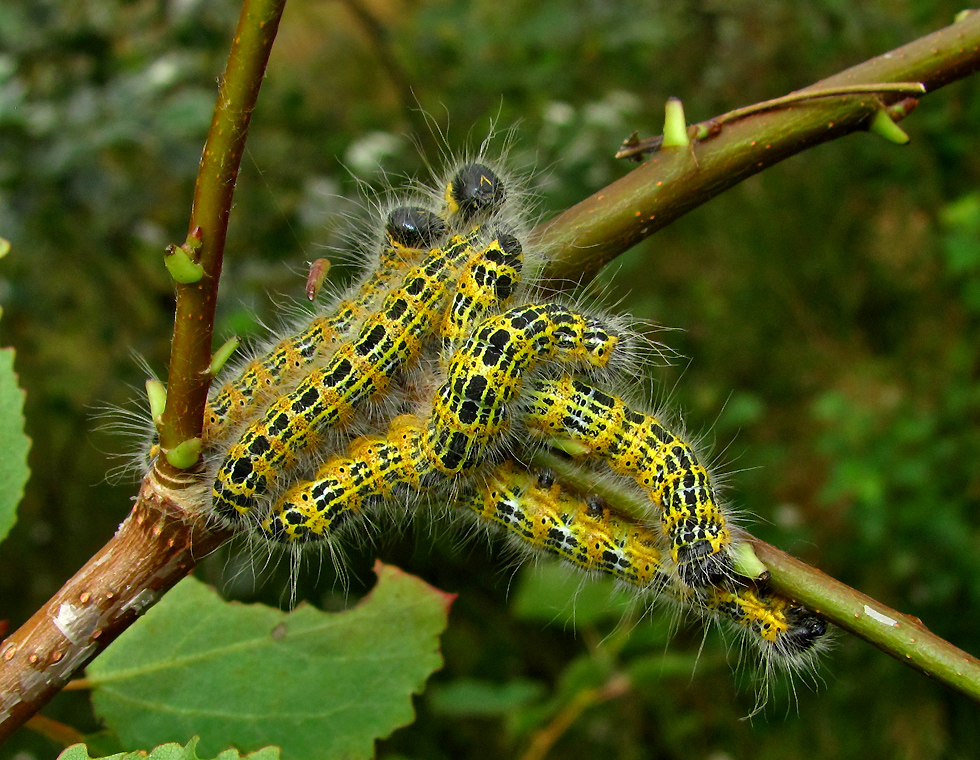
(433,381)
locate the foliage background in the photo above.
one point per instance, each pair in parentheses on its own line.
(828,313)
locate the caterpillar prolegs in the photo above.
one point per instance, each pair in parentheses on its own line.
(432,378)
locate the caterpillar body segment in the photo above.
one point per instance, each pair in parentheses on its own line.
(486,285)
(638,445)
(411,231)
(375,469)
(545,516)
(470,410)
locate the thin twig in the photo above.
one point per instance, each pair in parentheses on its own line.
(589,235)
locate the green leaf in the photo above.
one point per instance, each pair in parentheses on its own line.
(168,752)
(14,445)
(318,685)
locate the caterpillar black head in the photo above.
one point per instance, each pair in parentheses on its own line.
(474,190)
(806,630)
(414,227)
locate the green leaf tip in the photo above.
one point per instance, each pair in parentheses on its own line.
(884,126)
(185,454)
(747,563)
(156,392)
(675,126)
(181,267)
(222,355)
(4,247)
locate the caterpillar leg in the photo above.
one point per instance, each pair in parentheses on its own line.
(638,445)
(410,232)
(546,517)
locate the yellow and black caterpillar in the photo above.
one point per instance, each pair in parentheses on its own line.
(430,383)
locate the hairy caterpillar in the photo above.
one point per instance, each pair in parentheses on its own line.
(410,231)
(422,380)
(638,445)
(548,517)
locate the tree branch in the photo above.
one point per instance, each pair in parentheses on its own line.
(162,540)
(586,237)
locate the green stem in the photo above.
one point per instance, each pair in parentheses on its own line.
(190,355)
(589,235)
(903,637)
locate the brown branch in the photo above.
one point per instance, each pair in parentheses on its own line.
(590,234)
(190,355)
(161,542)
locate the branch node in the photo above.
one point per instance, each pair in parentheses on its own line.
(182,261)
(185,454)
(675,126)
(884,126)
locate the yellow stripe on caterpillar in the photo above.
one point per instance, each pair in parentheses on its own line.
(638,445)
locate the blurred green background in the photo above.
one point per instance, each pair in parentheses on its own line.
(827,313)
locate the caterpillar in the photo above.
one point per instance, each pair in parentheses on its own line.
(429,381)
(547,517)
(638,445)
